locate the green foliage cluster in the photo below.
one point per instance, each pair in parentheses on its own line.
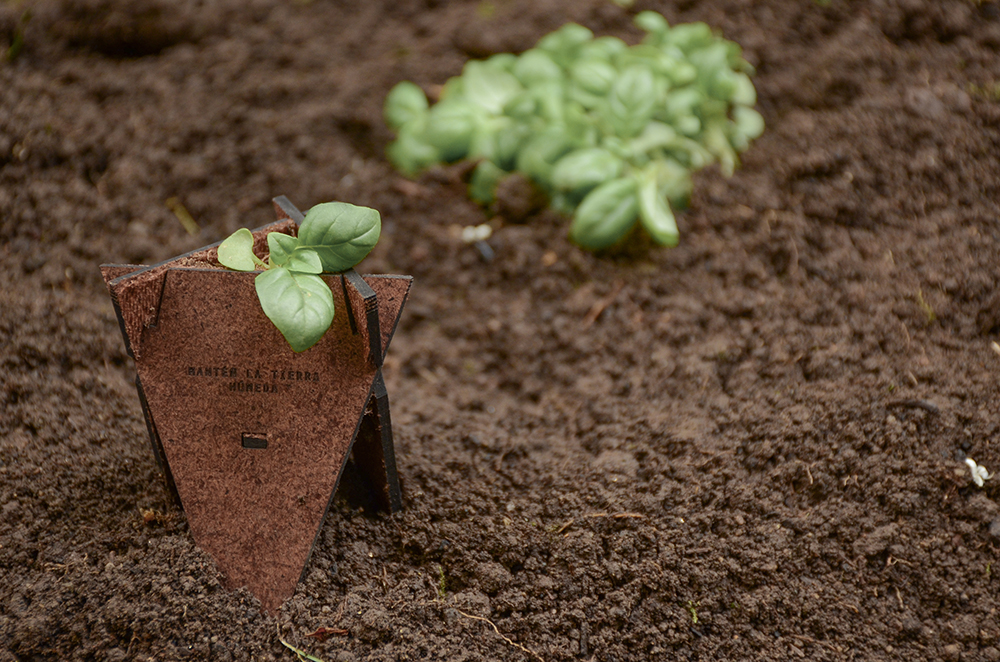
(333,237)
(611,132)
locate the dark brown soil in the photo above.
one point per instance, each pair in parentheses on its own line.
(748,447)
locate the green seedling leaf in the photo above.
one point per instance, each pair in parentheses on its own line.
(305,261)
(450,128)
(602,48)
(606,214)
(564,43)
(507,143)
(594,76)
(502,61)
(489,87)
(680,102)
(673,182)
(652,22)
(341,234)
(287,252)
(744,93)
(718,144)
(551,99)
(483,185)
(654,213)
(535,66)
(299,305)
(631,101)
(281,246)
(541,152)
(583,169)
(656,135)
(405,102)
(689,36)
(748,121)
(236,252)
(410,153)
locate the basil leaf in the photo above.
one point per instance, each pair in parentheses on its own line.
(483,185)
(745,94)
(535,66)
(236,252)
(450,127)
(281,246)
(551,98)
(305,261)
(507,144)
(717,143)
(631,101)
(583,169)
(606,214)
(748,121)
(595,76)
(656,135)
(342,234)
(523,106)
(489,87)
(286,252)
(564,43)
(682,101)
(410,153)
(541,152)
(504,61)
(673,181)
(688,36)
(602,48)
(654,213)
(405,102)
(299,305)
(652,22)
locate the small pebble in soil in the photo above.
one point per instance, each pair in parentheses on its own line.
(951,653)
(995,528)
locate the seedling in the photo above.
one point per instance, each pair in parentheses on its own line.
(979,472)
(611,132)
(333,237)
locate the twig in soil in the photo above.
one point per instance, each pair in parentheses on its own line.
(183,215)
(892,560)
(809,473)
(926,405)
(900,598)
(848,606)
(601,304)
(995,347)
(568,524)
(302,655)
(495,629)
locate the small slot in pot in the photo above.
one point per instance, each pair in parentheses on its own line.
(254,440)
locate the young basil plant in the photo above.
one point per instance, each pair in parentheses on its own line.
(333,237)
(611,132)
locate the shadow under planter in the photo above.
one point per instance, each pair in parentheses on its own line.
(250,435)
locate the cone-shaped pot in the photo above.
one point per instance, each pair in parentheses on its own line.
(252,436)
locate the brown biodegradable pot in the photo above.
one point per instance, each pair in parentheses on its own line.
(251,436)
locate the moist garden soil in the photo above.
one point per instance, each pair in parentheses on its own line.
(747,447)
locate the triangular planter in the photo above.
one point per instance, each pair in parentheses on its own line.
(251,436)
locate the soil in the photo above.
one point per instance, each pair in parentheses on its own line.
(747,447)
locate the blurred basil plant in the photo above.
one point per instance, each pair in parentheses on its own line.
(611,132)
